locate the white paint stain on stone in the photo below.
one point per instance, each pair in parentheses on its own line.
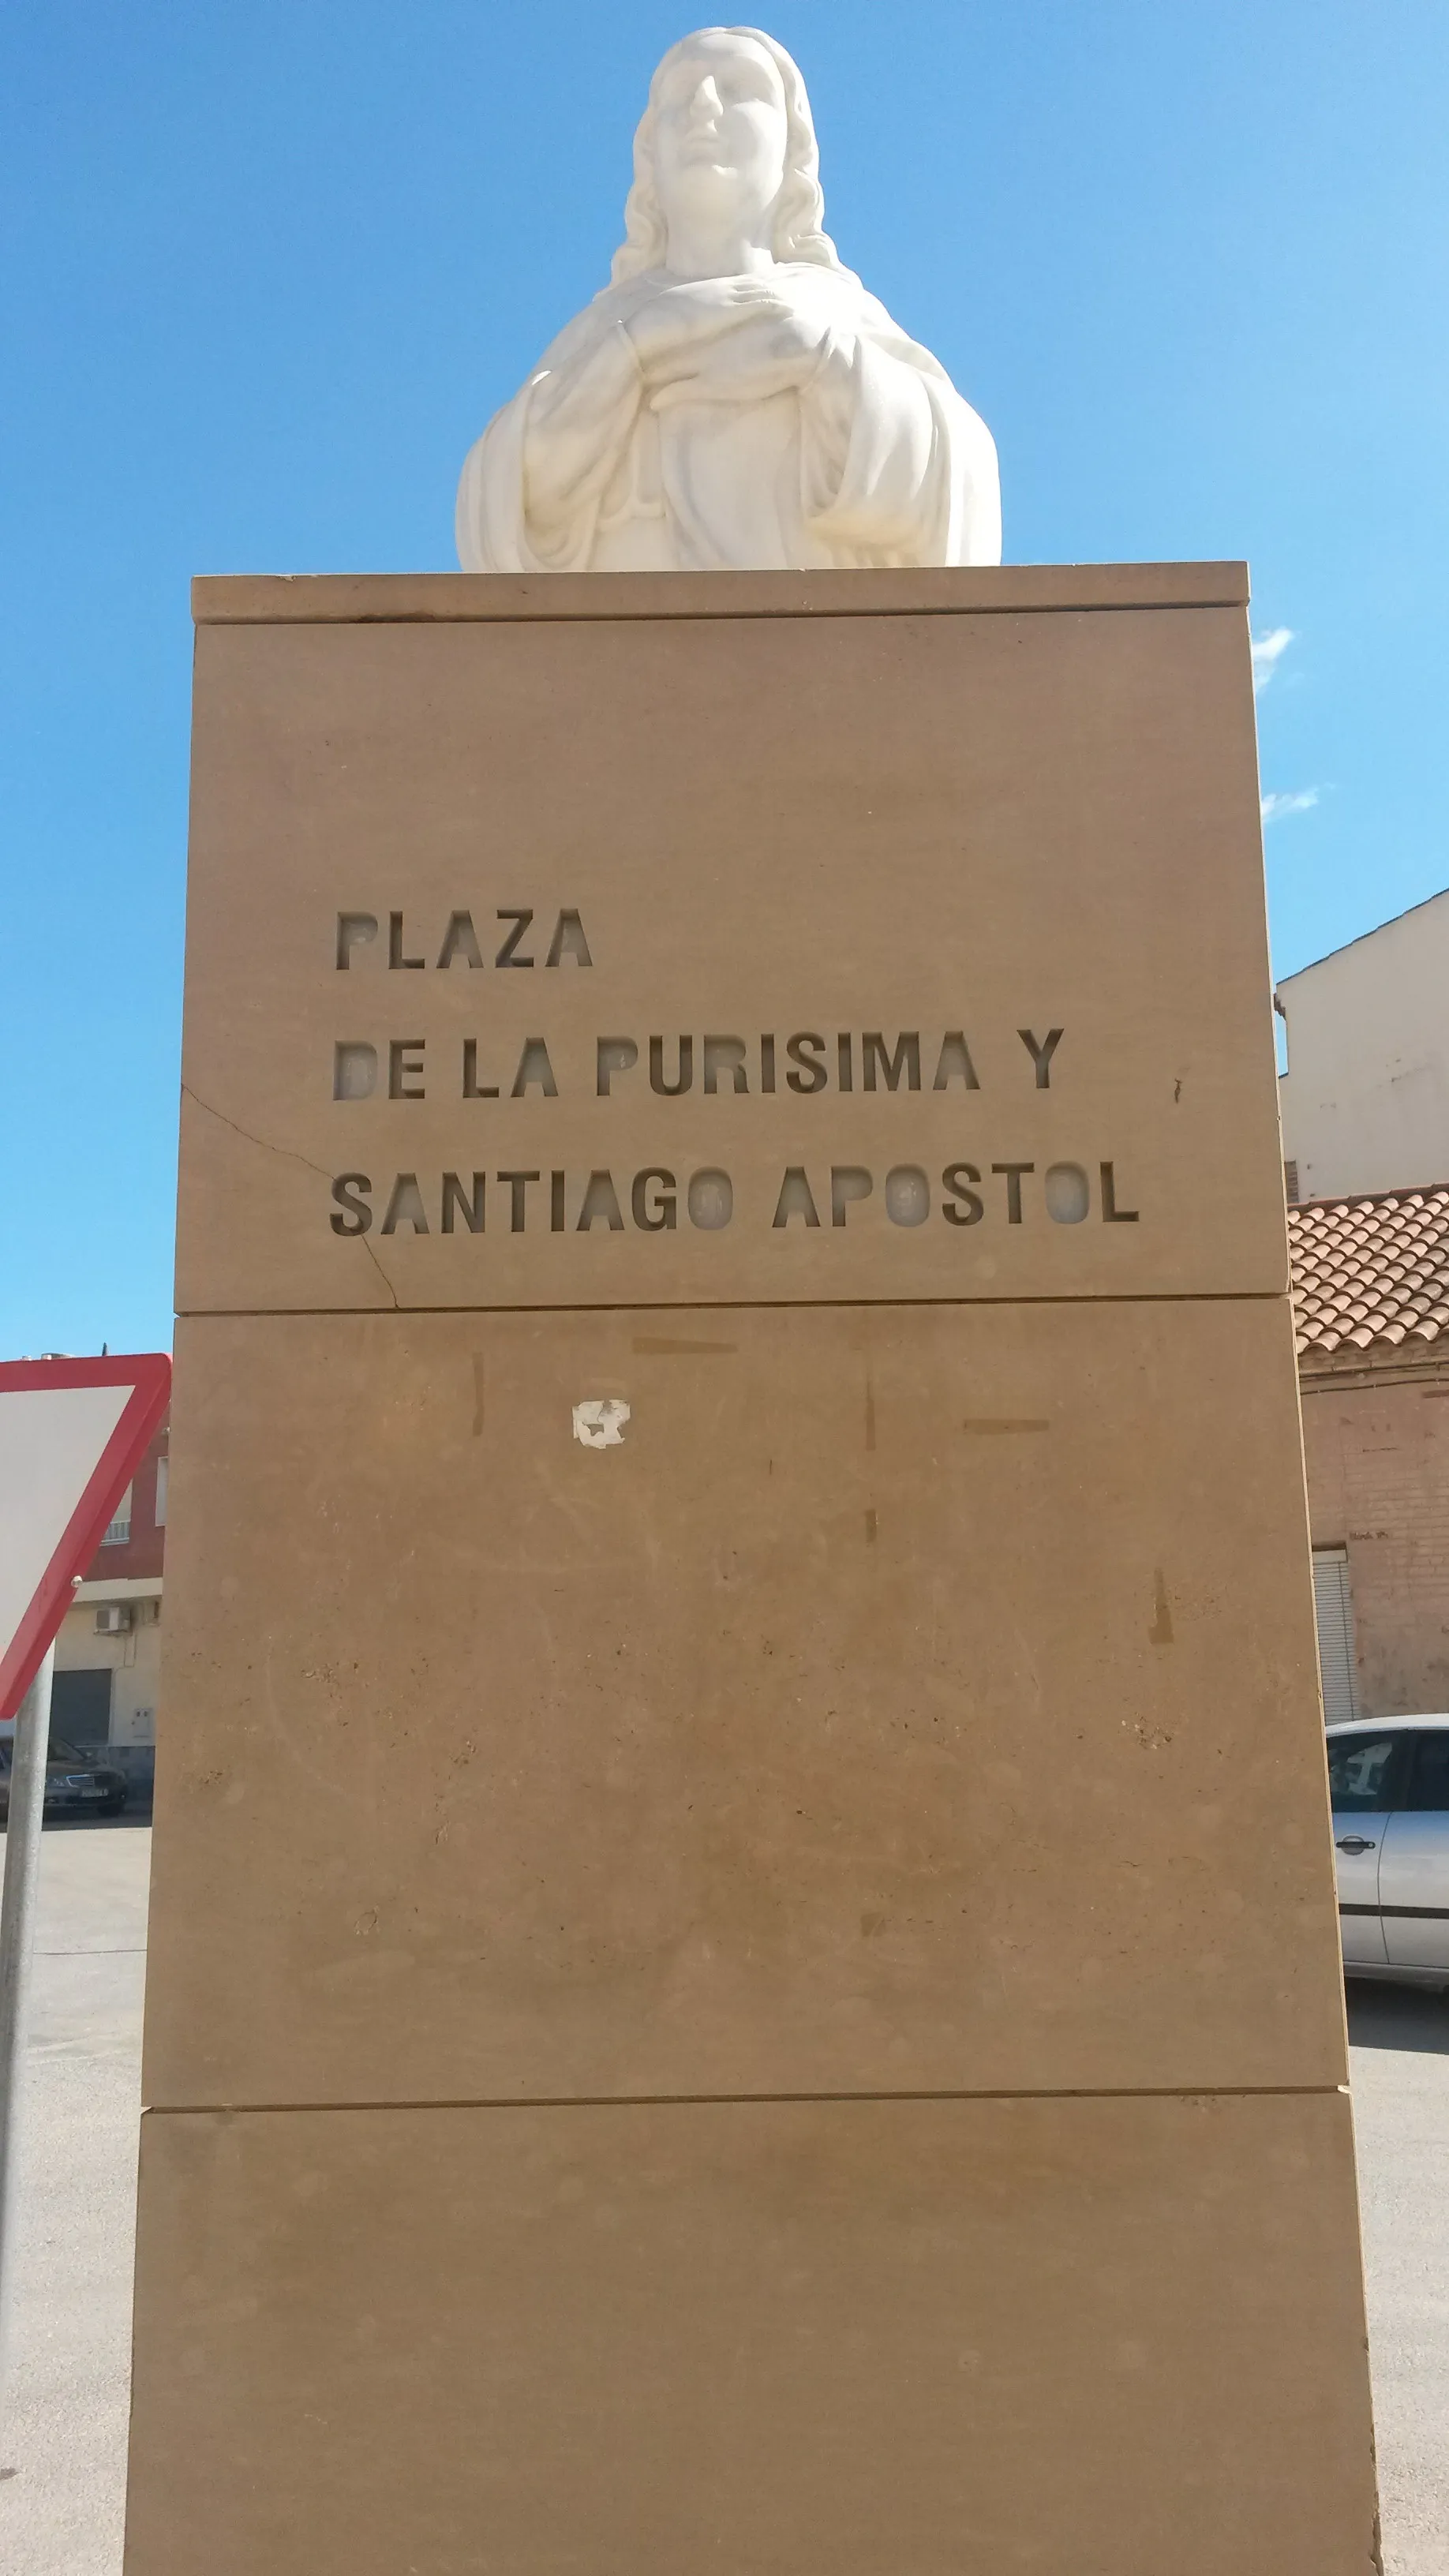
(599,1421)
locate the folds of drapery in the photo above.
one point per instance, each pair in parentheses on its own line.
(871,458)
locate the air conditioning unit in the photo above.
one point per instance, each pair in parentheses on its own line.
(113,1618)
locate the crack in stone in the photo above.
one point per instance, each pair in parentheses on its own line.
(292,1156)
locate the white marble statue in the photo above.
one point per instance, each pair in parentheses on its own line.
(734,398)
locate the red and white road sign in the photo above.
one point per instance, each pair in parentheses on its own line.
(72,1434)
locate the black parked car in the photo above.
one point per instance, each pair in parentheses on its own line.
(74,1781)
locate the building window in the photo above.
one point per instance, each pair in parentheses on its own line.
(118,1531)
(1290,1183)
(1333,1607)
(161,1465)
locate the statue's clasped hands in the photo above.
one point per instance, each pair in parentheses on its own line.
(726,339)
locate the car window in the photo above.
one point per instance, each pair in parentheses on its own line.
(63,1752)
(1360,1773)
(1428,1789)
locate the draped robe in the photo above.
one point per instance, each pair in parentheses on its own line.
(872,458)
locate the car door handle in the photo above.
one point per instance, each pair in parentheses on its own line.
(1355,1843)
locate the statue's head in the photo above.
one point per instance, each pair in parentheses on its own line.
(727,137)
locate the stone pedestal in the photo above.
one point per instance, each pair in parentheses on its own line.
(744,1964)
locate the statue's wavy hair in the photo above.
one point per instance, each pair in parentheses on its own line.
(799,228)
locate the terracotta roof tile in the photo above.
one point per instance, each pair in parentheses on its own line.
(1371,1270)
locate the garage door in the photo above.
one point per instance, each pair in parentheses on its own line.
(80,1707)
(1333,1603)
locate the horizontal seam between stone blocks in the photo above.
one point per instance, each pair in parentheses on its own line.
(745,1305)
(721,616)
(746,2101)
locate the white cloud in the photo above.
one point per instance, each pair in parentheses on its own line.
(1268,652)
(1299,800)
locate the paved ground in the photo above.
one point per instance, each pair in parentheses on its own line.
(1399,2042)
(64,2431)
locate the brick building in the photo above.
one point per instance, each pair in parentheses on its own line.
(108,1652)
(1371,1298)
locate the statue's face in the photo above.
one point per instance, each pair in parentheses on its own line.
(720,136)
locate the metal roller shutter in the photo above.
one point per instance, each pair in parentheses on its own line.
(80,1706)
(1333,1604)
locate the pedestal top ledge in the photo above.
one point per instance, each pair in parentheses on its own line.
(451,598)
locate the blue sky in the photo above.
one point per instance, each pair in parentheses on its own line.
(271,264)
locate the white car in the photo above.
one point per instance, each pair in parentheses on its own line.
(1389,1784)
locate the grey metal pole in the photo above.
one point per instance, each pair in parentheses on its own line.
(17,1932)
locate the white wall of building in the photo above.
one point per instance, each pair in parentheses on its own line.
(1365,1099)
